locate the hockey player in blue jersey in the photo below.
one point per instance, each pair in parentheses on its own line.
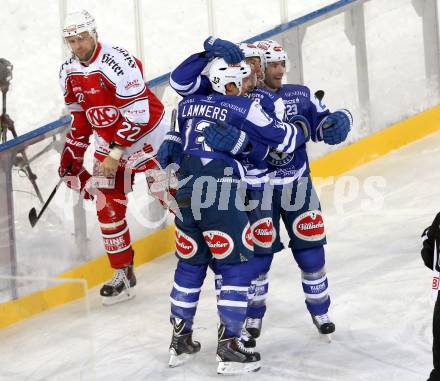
(291,175)
(187,79)
(292,182)
(203,227)
(203,234)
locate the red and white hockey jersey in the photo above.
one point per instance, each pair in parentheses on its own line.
(109,97)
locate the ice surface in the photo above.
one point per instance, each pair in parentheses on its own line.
(379,287)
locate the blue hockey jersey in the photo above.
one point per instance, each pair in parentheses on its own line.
(298,100)
(197,112)
(283,165)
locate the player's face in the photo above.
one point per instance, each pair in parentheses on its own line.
(274,74)
(248,84)
(82,45)
(255,62)
(232,89)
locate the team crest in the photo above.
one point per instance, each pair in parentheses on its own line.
(279,159)
(102,116)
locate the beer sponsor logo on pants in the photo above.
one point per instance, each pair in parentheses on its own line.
(263,232)
(309,226)
(186,247)
(220,244)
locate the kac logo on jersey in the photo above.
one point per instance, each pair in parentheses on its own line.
(102,116)
(263,232)
(186,247)
(309,226)
(220,244)
(279,159)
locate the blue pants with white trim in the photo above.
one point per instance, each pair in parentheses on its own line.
(297,204)
(232,300)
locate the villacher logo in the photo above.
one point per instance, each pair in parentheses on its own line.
(309,226)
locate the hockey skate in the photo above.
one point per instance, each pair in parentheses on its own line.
(253,326)
(325,326)
(247,340)
(120,288)
(182,346)
(233,357)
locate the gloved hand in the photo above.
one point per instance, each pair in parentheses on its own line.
(334,128)
(226,138)
(72,157)
(163,186)
(301,122)
(79,183)
(170,151)
(230,52)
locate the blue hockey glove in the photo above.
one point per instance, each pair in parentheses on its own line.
(226,138)
(335,127)
(230,52)
(301,122)
(170,151)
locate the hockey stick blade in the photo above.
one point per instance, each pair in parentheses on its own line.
(33,216)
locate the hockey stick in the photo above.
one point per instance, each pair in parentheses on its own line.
(173,128)
(436,274)
(319,94)
(33,217)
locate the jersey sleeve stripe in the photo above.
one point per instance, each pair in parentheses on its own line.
(131,96)
(186,89)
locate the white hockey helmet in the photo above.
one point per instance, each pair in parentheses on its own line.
(272,51)
(221,73)
(249,50)
(76,23)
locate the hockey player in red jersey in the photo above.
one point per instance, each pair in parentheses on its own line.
(107,96)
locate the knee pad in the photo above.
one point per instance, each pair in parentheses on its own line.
(189,275)
(310,260)
(113,209)
(115,232)
(238,274)
(261,264)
